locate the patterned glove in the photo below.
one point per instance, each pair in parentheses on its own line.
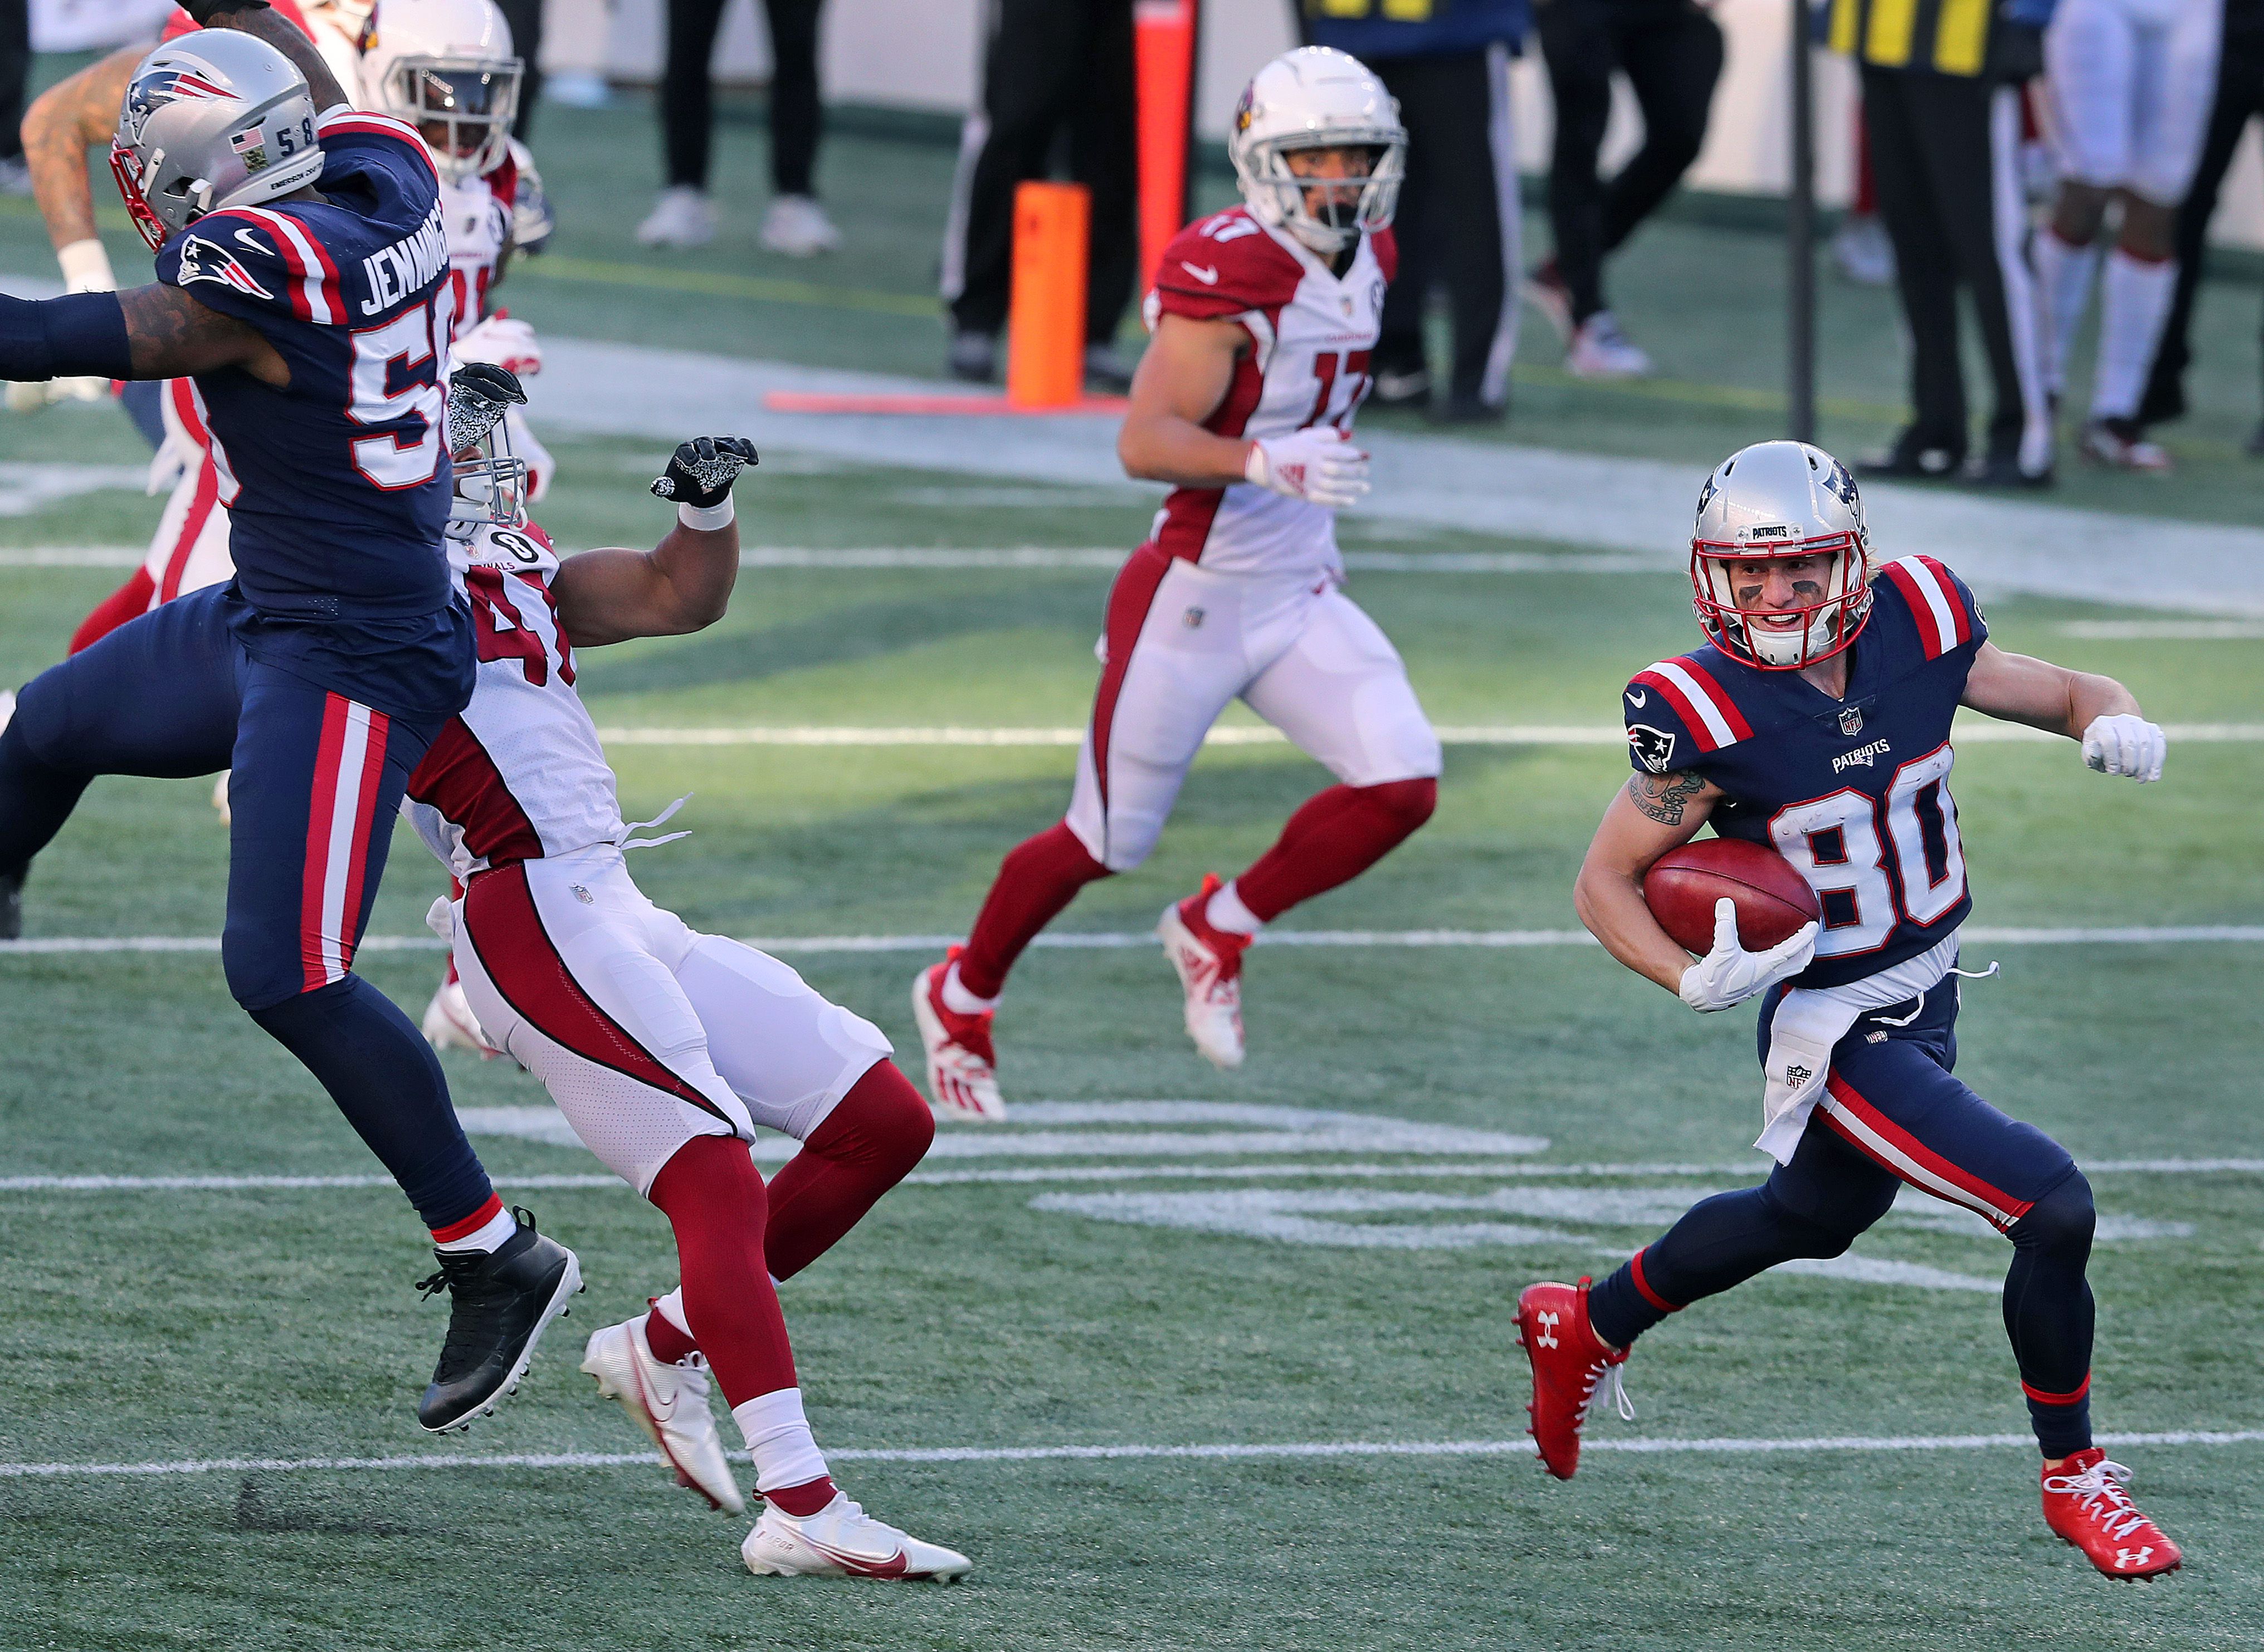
(701,471)
(479,395)
(1730,974)
(2127,745)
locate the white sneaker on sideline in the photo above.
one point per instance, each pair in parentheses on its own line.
(220,795)
(1862,252)
(798,227)
(680,217)
(842,1541)
(1602,350)
(669,1403)
(450,1025)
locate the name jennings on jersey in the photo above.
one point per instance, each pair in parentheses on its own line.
(1853,792)
(397,273)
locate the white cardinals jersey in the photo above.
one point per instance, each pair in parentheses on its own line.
(1311,334)
(518,774)
(477,212)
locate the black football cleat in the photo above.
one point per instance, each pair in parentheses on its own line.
(11,906)
(500,1303)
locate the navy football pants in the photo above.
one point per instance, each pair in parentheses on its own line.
(317,780)
(1893,1113)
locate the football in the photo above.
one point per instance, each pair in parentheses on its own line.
(1773,899)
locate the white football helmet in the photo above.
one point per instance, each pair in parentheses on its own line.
(447,68)
(1317,98)
(1775,501)
(215,118)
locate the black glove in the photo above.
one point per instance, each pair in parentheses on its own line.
(701,471)
(2016,52)
(201,13)
(479,395)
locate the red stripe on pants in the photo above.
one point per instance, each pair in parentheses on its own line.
(372,766)
(321,807)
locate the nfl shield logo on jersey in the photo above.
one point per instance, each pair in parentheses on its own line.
(1851,721)
(1654,748)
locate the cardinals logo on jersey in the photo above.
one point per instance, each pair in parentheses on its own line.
(203,260)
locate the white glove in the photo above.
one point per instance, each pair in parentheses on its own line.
(503,341)
(1318,463)
(1730,974)
(2125,744)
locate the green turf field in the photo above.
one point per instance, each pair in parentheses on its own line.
(1515,1113)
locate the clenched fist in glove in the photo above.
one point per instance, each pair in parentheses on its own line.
(701,471)
(505,340)
(1730,974)
(2125,744)
(1318,463)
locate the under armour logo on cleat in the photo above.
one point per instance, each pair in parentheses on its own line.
(1548,1324)
(2125,1559)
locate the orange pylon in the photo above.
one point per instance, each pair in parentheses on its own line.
(1045,327)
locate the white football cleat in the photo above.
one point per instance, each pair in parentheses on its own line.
(2122,445)
(669,1403)
(681,216)
(842,1541)
(798,227)
(219,797)
(1600,350)
(963,1066)
(450,1025)
(1209,965)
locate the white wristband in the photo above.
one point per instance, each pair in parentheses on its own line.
(86,267)
(707,519)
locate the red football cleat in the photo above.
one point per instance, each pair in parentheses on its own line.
(1209,965)
(2084,1503)
(1568,1361)
(963,1068)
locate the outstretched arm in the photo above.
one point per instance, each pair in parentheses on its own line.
(682,584)
(65,121)
(150,332)
(2084,706)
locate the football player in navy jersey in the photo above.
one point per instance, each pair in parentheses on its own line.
(303,282)
(1816,719)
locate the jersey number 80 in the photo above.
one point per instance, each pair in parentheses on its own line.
(1836,843)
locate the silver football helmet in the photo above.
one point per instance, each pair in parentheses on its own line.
(215,118)
(1317,98)
(1771,503)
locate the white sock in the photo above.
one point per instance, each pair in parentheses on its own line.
(786,1452)
(491,1236)
(671,1307)
(2134,303)
(958,1000)
(1225,911)
(2063,288)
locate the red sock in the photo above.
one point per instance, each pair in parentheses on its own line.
(867,1143)
(670,1345)
(806,1499)
(1333,839)
(129,601)
(714,1198)
(1035,881)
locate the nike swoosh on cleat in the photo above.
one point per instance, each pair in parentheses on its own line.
(896,1565)
(1207,274)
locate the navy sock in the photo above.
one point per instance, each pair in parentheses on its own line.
(1719,1243)
(2049,1314)
(387,1081)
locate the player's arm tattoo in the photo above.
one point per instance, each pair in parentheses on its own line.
(171,336)
(62,124)
(1665,797)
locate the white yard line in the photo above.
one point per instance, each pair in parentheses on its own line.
(1524,1169)
(1111,940)
(1223,1450)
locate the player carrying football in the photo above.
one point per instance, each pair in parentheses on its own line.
(1816,719)
(662,1047)
(1264,318)
(302,281)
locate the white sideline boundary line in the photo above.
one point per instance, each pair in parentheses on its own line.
(1452,735)
(1112,940)
(1224,1451)
(1520,1168)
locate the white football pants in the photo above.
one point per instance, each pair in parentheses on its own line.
(2131,83)
(1183,643)
(645,1032)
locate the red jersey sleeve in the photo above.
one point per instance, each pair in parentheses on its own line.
(1386,244)
(1222,267)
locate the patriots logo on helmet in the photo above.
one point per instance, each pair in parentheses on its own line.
(1840,484)
(1707,491)
(152,92)
(203,260)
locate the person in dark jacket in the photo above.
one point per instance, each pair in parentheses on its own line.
(1447,61)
